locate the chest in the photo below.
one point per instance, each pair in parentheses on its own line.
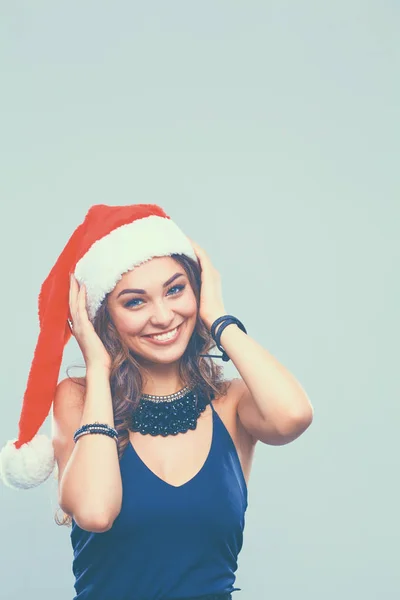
(174,493)
(192,477)
(176,458)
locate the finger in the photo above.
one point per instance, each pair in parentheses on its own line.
(78,303)
(73,292)
(82,304)
(71,326)
(195,245)
(201,252)
(204,259)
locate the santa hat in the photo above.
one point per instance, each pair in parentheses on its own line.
(109,242)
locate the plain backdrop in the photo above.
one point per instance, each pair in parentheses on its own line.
(269,132)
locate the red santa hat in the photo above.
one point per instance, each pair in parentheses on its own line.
(109,242)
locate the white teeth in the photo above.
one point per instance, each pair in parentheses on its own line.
(165,336)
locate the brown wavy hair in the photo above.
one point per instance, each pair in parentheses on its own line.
(126,381)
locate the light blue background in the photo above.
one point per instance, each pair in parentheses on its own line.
(269,132)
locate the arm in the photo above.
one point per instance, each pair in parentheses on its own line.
(90,486)
(272,407)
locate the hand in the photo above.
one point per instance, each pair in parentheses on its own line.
(92,347)
(211,302)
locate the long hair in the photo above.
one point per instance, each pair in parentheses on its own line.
(126,381)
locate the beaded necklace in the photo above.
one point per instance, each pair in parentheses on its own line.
(168,415)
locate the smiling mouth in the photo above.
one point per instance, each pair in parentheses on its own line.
(166,335)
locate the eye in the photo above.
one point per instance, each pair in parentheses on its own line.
(132,302)
(179,288)
(173,291)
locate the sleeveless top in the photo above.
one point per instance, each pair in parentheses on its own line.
(168,542)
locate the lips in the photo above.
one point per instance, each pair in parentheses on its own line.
(150,335)
(165,342)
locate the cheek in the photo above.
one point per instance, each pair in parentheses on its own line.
(189,306)
(130,324)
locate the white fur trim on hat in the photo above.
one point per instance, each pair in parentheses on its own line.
(125,247)
(28,466)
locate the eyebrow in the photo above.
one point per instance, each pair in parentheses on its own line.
(137,291)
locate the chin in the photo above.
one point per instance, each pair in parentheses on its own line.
(158,358)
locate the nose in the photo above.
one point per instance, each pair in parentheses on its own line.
(162,315)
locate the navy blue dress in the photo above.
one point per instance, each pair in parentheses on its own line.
(168,542)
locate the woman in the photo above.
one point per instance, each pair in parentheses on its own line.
(157,497)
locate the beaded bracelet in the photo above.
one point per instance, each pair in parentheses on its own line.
(95,427)
(108,433)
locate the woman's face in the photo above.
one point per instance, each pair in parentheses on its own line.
(154,310)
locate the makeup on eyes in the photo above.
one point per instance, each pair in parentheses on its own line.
(137,291)
(179,287)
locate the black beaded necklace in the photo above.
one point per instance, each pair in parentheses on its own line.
(168,415)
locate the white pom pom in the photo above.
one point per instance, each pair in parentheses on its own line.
(28,466)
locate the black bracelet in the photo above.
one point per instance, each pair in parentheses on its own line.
(223,321)
(228,320)
(217,322)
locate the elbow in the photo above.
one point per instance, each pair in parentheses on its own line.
(302,418)
(294,427)
(96,526)
(92,521)
(291,429)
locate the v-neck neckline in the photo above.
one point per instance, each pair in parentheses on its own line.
(192,479)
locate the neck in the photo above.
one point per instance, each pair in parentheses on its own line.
(162,380)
